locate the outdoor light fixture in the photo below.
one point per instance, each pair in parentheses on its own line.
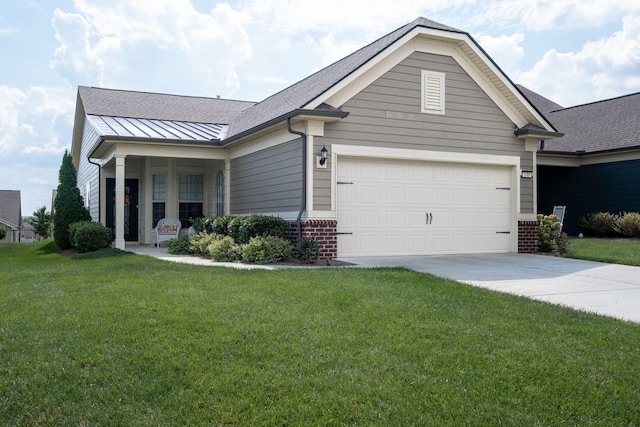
(323,155)
(526,174)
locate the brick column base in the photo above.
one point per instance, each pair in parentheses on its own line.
(323,230)
(527,237)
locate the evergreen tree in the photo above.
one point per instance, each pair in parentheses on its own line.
(69,206)
(41,222)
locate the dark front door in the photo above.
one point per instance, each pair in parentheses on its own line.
(130,208)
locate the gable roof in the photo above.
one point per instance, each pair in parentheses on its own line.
(303,92)
(602,126)
(306,97)
(10,209)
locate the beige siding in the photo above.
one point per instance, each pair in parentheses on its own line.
(268,181)
(387,114)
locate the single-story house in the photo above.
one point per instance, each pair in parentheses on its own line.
(595,166)
(11,214)
(417,143)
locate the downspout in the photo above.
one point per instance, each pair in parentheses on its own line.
(303,202)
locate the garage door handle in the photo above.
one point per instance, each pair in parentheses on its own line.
(429,218)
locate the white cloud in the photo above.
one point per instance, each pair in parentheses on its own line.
(540,15)
(144,44)
(11,102)
(601,69)
(505,51)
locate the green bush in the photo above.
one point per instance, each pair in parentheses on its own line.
(224,249)
(242,229)
(212,224)
(601,224)
(180,246)
(266,250)
(308,250)
(550,235)
(628,224)
(89,236)
(3,231)
(200,242)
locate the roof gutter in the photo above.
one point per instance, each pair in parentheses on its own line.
(318,112)
(303,201)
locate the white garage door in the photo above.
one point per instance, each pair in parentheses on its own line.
(399,207)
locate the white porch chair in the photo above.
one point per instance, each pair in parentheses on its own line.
(167,229)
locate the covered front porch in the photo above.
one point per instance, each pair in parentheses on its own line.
(139,185)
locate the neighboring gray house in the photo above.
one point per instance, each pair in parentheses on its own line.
(430,150)
(11,214)
(595,166)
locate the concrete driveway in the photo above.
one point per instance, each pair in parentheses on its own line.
(608,289)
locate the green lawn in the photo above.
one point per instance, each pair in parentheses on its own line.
(616,251)
(121,339)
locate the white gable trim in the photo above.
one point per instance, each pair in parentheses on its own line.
(456,45)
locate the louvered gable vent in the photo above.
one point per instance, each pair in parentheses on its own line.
(432,92)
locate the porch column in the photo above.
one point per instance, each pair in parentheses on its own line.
(227,187)
(119,213)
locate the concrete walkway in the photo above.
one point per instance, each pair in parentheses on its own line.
(163,253)
(607,289)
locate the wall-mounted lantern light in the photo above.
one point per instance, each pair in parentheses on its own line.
(323,155)
(526,174)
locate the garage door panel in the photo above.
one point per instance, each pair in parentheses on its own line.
(412,207)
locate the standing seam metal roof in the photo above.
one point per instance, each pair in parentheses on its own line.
(156,129)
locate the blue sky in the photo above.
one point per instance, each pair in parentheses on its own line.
(571,51)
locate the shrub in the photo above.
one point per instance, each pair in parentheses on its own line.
(308,250)
(266,250)
(242,229)
(224,249)
(180,246)
(200,242)
(69,207)
(89,236)
(550,235)
(3,231)
(601,224)
(628,224)
(212,224)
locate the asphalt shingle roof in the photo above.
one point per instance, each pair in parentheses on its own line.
(303,92)
(159,106)
(611,124)
(544,105)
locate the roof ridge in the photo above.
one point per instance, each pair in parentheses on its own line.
(164,94)
(597,102)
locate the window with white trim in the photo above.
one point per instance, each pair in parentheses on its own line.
(432,92)
(191,198)
(159,197)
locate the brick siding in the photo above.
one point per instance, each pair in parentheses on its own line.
(323,230)
(527,237)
